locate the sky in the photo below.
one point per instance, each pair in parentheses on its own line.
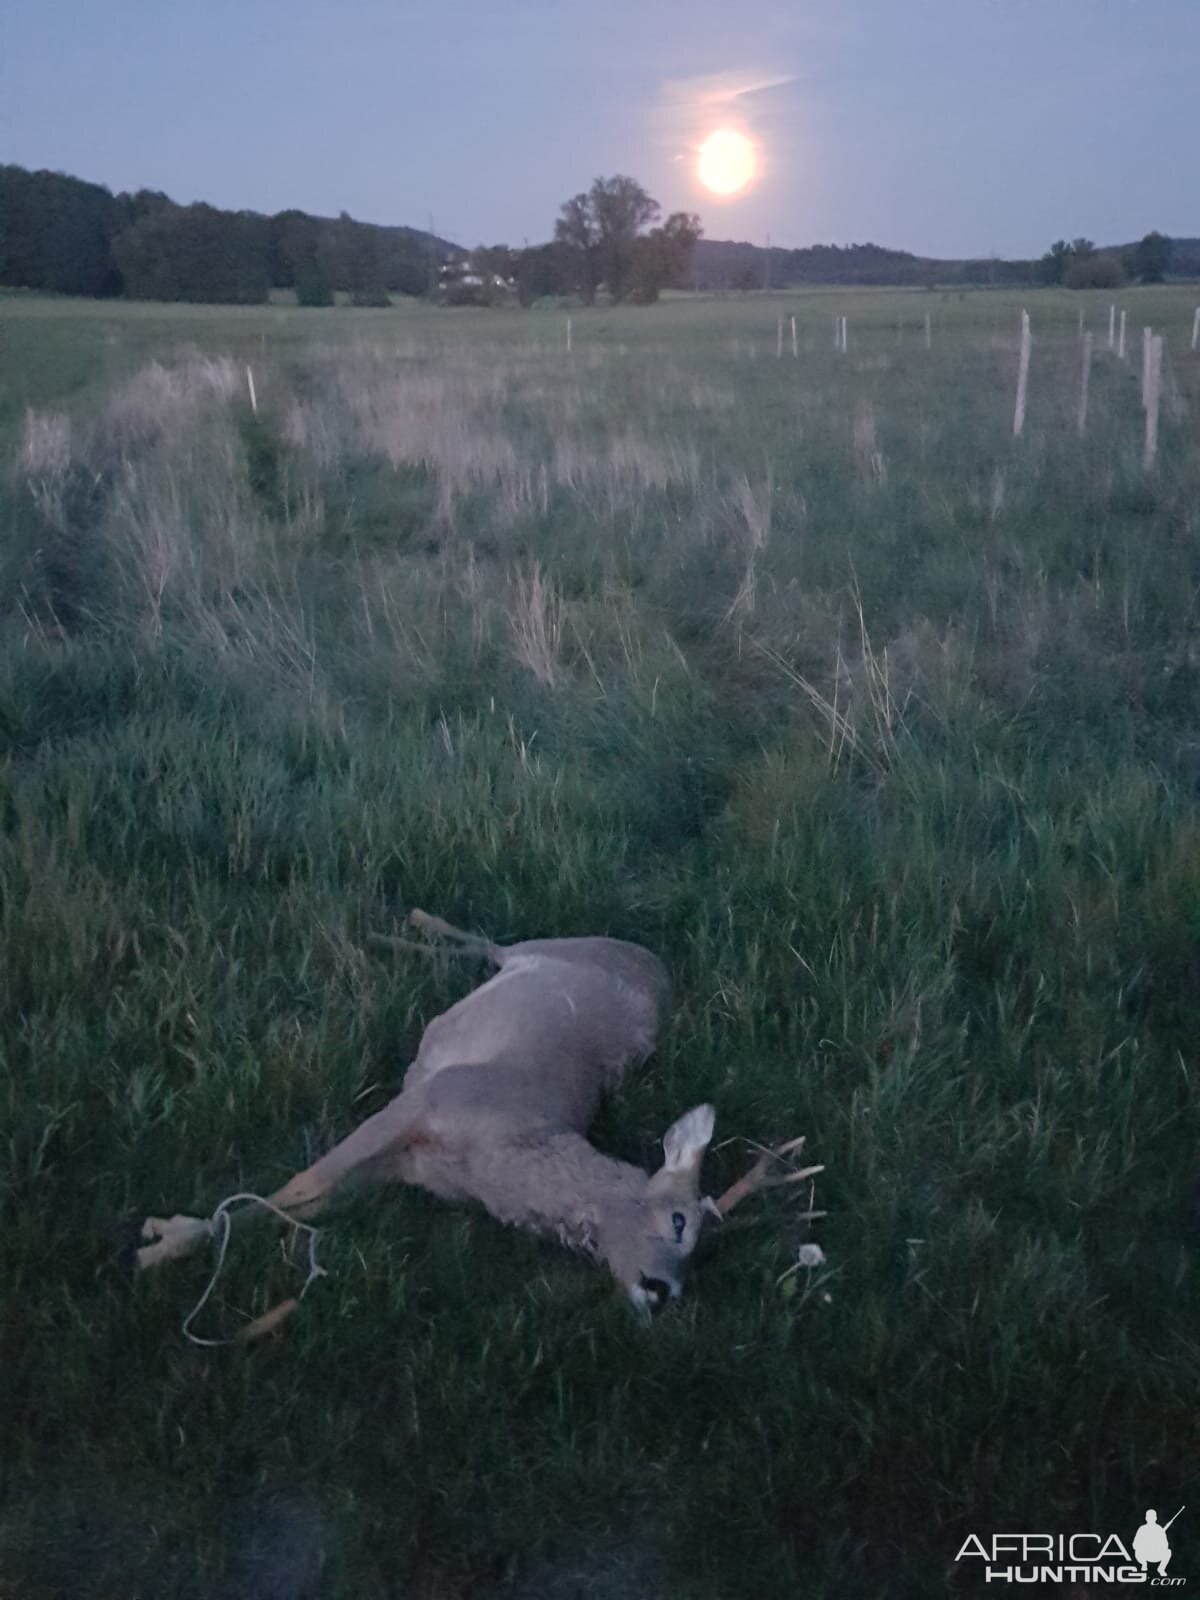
(946,127)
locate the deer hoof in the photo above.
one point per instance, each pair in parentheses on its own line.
(171,1236)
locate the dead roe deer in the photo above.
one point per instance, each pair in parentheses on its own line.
(496,1107)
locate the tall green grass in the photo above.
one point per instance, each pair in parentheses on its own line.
(878,725)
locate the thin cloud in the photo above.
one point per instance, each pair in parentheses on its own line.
(711,90)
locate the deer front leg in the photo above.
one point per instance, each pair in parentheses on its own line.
(359,1158)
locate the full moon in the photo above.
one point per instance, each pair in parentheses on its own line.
(727,162)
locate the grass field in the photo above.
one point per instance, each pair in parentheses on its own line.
(881,727)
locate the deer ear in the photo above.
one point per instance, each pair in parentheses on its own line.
(685,1142)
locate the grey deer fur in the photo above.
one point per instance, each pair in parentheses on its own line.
(496,1107)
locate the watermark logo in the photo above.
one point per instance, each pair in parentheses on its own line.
(1075,1558)
(1150,1545)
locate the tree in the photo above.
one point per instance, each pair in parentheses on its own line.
(601,238)
(1096,271)
(539,272)
(1152,257)
(294,236)
(1063,263)
(336,252)
(56,233)
(1052,268)
(144,201)
(621,209)
(576,234)
(62,234)
(663,257)
(196,253)
(312,286)
(678,236)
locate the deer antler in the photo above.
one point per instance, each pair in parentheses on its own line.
(760,1176)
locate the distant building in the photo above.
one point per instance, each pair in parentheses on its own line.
(463,281)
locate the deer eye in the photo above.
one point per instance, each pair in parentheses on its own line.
(679,1223)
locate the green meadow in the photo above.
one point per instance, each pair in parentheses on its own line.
(879,725)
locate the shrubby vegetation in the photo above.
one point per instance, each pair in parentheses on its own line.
(1080,265)
(1152,258)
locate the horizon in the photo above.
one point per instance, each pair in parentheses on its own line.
(870,127)
(1101,245)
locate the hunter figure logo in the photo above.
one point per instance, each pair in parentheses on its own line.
(1150,1543)
(1076,1558)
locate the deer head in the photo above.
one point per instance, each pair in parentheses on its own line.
(646,1238)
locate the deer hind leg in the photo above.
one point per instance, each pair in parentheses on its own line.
(472,944)
(436,928)
(360,1158)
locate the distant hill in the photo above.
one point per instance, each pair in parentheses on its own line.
(726,264)
(65,235)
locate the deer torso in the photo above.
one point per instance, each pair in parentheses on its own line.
(506,1083)
(582,1010)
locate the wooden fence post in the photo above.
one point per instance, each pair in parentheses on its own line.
(1153,389)
(1022,376)
(1147,345)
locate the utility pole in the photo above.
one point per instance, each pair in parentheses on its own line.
(767,265)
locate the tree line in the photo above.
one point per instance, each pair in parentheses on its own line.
(72,237)
(68,236)
(1080,265)
(726,265)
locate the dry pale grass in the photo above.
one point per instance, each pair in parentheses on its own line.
(45,459)
(45,443)
(752,509)
(536,622)
(518,431)
(870,468)
(165,402)
(620,469)
(170,513)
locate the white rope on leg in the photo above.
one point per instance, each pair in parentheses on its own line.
(220,1224)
